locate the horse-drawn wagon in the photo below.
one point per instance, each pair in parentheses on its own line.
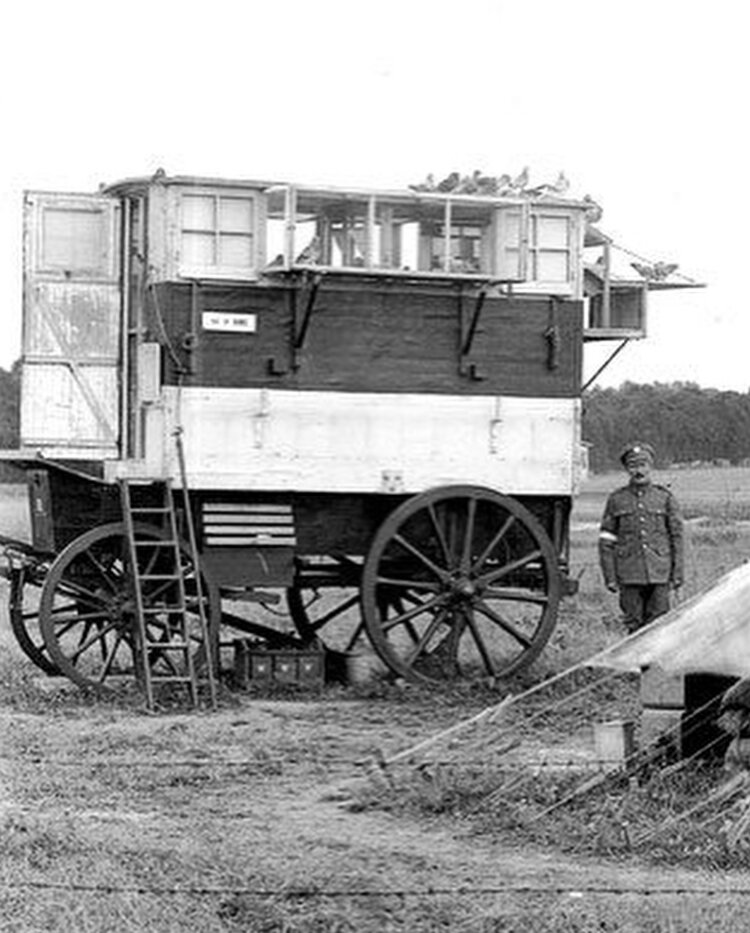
(366,401)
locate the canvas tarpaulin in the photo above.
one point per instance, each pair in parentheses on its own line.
(709,633)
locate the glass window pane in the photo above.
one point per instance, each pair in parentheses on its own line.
(73,239)
(236,215)
(235,250)
(198,212)
(551,232)
(552,267)
(198,249)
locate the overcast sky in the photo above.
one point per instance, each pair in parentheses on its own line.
(642,104)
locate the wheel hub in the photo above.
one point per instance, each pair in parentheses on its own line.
(463,587)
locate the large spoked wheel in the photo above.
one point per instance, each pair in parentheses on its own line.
(25,593)
(87,609)
(460,582)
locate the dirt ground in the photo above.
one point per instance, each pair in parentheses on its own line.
(257,797)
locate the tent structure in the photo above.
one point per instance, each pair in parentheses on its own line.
(709,633)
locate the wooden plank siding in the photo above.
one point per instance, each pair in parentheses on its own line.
(389,338)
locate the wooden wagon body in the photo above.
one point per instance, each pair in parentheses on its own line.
(373,392)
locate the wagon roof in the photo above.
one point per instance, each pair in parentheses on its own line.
(339,193)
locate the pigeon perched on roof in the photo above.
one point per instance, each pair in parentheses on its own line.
(521,181)
(656,271)
(562,185)
(427,185)
(449,183)
(593,210)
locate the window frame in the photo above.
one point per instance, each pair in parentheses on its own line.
(194,270)
(528,250)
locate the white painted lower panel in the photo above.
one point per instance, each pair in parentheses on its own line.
(262,439)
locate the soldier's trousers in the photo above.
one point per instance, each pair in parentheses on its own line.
(642,604)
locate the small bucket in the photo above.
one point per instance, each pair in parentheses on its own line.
(614,743)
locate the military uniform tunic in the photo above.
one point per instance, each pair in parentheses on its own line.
(641,550)
(641,539)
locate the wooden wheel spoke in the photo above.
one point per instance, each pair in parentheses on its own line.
(80,594)
(101,570)
(410,614)
(109,658)
(57,611)
(437,527)
(422,642)
(335,612)
(481,606)
(479,641)
(423,558)
(358,629)
(493,543)
(509,568)
(471,514)
(99,635)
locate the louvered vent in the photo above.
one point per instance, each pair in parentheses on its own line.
(235,524)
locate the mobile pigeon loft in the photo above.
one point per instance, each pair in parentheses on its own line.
(256,392)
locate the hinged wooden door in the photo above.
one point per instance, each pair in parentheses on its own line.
(72,325)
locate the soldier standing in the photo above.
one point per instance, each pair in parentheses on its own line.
(641,541)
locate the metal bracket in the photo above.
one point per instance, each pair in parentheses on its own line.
(605,364)
(468,332)
(552,334)
(301,327)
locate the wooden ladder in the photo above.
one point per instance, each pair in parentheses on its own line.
(156,563)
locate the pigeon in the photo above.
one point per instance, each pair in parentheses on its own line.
(654,272)
(593,210)
(427,185)
(467,185)
(663,270)
(522,180)
(503,184)
(485,183)
(450,183)
(311,254)
(562,185)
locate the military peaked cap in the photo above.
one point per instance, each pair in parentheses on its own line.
(635,448)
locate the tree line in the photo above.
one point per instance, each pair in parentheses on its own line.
(684,422)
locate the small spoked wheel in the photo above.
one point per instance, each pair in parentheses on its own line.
(25,593)
(460,582)
(88,608)
(333,609)
(324,602)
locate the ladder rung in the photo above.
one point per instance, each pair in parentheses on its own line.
(170,610)
(169,645)
(163,679)
(150,510)
(153,542)
(159,576)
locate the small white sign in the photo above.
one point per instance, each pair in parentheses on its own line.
(234,323)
